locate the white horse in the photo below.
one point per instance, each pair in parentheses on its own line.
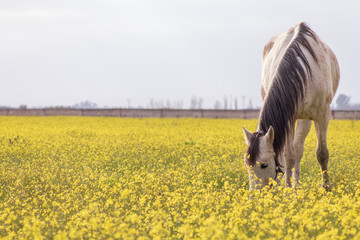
(300,75)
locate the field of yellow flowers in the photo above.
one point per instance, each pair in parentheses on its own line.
(115,178)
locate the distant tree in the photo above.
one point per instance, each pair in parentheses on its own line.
(250,105)
(355,106)
(200,103)
(168,104)
(217,105)
(193,102)
(86,105)
(151,104)
(342,102)
(178,104)
(160,104)
(23,107)
(235,103)
(225,103)
(129,102)
(5,107)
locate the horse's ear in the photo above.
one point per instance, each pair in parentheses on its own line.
(270,135)
(248,135)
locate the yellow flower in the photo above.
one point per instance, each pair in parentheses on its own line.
(120,178)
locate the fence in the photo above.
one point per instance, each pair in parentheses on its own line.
(157,113)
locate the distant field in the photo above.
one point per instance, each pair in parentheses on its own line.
(95,178)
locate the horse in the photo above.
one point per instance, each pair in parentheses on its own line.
(300,76)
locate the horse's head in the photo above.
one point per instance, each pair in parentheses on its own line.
(260,158)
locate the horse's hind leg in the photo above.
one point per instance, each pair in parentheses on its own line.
(322,153)
(302,130)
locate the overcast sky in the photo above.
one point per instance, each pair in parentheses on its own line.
(108,51)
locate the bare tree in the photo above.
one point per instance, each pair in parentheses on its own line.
(343,102)
(250,105)
(160,104)
(129,102)
(355,106)
(225,103)
(86,105)
(193,102)
(151,104)
(200,103)
(179,104)
(235,103)
(168,104)
(217,104)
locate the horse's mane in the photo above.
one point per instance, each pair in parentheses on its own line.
(287,91)
(253,149)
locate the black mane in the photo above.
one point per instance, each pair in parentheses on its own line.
(253,149)
(286,92)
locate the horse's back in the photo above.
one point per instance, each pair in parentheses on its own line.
(272,55)
(323,76)
(324,81)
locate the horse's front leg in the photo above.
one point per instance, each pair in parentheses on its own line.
(302,130)
(289,155)
(289,167)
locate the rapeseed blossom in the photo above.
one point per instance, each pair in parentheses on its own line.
(117,178)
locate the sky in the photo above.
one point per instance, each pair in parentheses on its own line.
(120,52)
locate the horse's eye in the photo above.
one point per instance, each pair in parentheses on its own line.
(264,165)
